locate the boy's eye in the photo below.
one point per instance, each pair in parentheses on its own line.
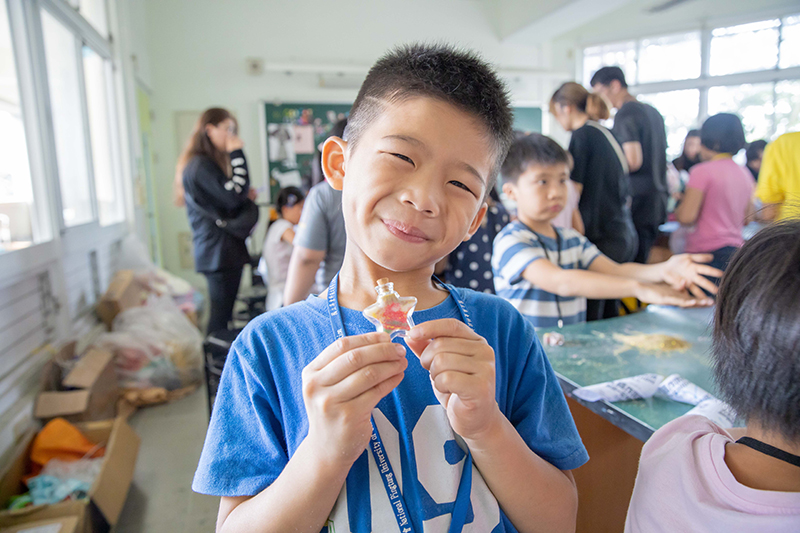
(404,158)
(460,185)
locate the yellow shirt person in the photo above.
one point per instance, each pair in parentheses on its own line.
(779,179)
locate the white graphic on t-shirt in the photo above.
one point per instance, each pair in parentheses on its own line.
(436,475)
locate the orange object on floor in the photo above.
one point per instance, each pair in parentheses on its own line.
(61,440)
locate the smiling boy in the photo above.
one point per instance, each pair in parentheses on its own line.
(461,426)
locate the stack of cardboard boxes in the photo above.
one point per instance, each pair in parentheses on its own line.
(87,396)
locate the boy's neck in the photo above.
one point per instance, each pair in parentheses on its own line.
(358,276)
(761,471)
(543,227)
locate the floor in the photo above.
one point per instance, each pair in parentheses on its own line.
(160,499)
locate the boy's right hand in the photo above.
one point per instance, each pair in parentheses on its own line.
(661,294)
(342,386)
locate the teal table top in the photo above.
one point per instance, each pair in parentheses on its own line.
(605,350)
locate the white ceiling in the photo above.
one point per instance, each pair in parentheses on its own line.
(536,21)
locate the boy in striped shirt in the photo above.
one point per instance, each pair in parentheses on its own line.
(547,273)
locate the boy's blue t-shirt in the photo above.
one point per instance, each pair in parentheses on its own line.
(259,418)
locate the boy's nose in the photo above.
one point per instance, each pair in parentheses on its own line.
(421,195)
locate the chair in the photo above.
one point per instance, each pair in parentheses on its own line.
(215,349)
(253,297)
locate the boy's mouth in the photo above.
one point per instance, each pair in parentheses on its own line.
(404,231)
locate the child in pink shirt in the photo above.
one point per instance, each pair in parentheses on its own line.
(719,193)
(696,476)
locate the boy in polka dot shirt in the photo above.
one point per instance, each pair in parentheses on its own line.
(470,265)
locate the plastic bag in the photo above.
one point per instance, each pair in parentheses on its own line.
(134,256)
(155,346)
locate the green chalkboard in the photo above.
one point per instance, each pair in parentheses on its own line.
(591,354)
(528,119)
(292,133)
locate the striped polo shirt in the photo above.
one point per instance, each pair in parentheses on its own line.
(516,247)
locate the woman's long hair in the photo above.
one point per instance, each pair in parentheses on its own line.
(199,143)
(576,95)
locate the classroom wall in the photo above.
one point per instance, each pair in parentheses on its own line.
(197,54)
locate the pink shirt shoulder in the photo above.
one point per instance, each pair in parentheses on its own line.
(564,218)
(684,484)
(727,190)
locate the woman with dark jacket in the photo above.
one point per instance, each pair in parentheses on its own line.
(217,193)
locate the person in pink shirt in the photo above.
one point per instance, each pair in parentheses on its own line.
(695,475)
(719,193)
(570,216)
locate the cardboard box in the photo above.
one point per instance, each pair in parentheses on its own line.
(88,392)
(100,511)
(57,525)
(124,292)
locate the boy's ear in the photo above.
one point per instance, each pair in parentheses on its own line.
(510,191)
(333,156)
(476,222)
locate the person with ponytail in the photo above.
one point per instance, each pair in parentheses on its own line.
(600,173)
(216,191)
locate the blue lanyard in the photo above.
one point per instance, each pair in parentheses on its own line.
(461,506)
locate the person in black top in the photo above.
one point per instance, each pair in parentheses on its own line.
(754,154)
(216,189)
(640,130)
(600,173)
(691,152)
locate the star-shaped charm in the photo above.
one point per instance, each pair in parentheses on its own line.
(391,313)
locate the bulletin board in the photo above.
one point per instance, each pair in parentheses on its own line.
(291,133)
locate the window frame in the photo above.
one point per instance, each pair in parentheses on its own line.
(51,235)
(705,81)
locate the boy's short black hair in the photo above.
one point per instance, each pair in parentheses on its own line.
(289,197)
(458,77)
(723,133)
(606,75)
(755,150)
(533,149)
(756,348)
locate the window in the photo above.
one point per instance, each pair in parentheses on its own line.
(622,55)
(744,48)
(753,103)
(790,42)
(669,58)
(99,98)
(16,191)
(680,110)
(63,76)
(94,11)
(751,70)
(787,106)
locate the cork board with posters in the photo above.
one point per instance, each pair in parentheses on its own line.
(291,133)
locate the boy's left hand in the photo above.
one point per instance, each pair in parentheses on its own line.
(687,271)
(461,364)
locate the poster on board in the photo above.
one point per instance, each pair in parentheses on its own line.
(293,133)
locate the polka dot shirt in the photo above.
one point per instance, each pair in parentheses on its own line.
(470,265)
